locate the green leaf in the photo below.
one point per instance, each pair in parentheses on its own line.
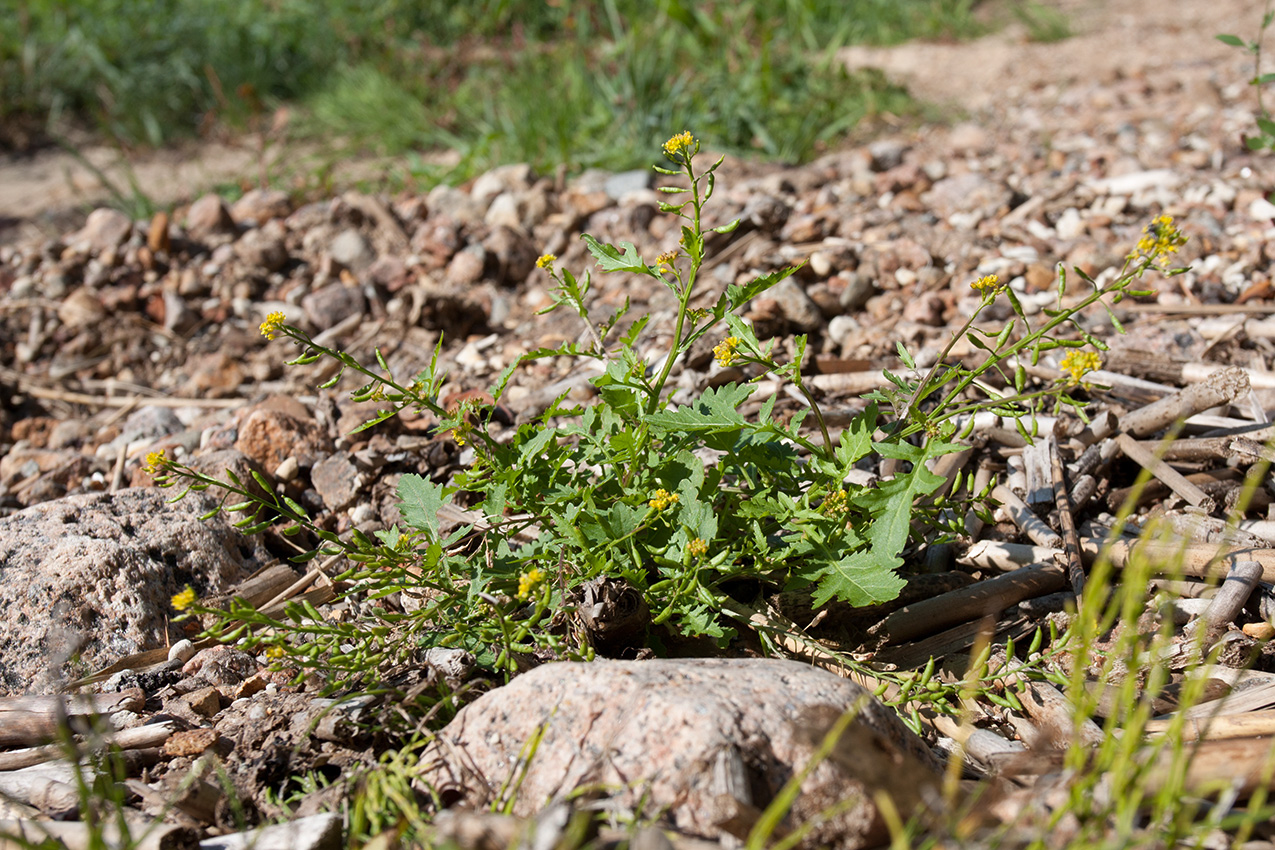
(1233,40)
(904,356)
(737,295)
(421,500)
(863,578)
(610,259)
(715,411)
(856,438)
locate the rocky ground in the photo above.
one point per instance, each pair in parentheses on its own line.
(125,337)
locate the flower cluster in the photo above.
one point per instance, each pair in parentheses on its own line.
(663,498)
(1077,364)
(546,261)
(680,146)
(154,463)
(987,283)
(272,325)
(666,259)
(1159,239)
(724,351)
(834,504)
(529,581)
(697,548)
(185,599)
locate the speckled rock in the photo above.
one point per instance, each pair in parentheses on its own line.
(87,579)
(708,742)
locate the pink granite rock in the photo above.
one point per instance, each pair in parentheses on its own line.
(706,742)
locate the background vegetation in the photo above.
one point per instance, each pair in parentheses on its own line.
(541,81)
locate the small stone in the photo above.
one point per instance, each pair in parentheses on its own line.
(81,309)
(208,216)
(503,212)
(352,250)
(190,742)
(106,229)
(287,470)
(337,481)
(618,185)
(858,289)
(797,307)
(205,702)
(258,206)
(886,154)
(1070,225)
(466,268)
(269,437)
(261,249)
(514,254)
(1261,210)
(183,650)
(157,235)
(333,304)
(925,310)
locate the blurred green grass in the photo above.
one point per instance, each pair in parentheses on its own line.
(549,82)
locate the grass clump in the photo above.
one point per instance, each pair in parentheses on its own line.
(398,77)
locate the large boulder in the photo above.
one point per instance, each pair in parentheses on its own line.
(88,579)
(706,742)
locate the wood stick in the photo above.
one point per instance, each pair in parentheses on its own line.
(76,835)
(31,720)
(978,600)
(1051,711)
(1026,520)
(1175,480)
(1205,560)
(1075,564)
(908,656)
(1233,595)
(1221,387)
(1251,724)
(995,555)
(140,737)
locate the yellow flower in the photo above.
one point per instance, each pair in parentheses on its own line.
(272,325)
(663,498)
(667,258)
(985,284)
(724,351)
(1159,239)
(546,261)
(834,503)
(529,581)
(154,462)
(1077,364)
(274,653)
(185,599)
(697,548)
(679,147)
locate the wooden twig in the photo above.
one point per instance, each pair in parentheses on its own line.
(28,720)
(996,555)
(977,600)
(140,737)
(1252,724)
(1175,480)
(1057,717)
(1197,559)
(1232,596)
(1075,564)
(1026,520)
(1221,387)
